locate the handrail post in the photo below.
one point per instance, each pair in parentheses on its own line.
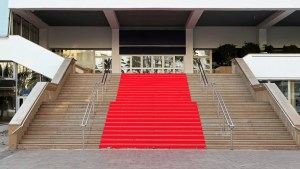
(90,107)
(224,123)
(218,109)
(102,92)
(83,139)
(231,138)
(97,92)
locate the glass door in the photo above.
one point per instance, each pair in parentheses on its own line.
(101,60)
(152,64)
(205,57)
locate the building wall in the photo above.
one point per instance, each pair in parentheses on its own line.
(204,37)
(279,36)
(213,37)
(79,37)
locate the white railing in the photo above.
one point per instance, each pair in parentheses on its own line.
(89,108)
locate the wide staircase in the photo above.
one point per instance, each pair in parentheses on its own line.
(257,126)
(156,113)
(57,123)
(153,111)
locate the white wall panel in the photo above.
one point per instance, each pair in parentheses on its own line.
(274,66)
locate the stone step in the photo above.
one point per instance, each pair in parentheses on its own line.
(70,116)
(59,141)
(57,146)
(62,136)
(208,137)
(254,147)
(245,116)
(63,132)
(250,142)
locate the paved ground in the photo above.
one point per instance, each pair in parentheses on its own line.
(152,159)
(3,137)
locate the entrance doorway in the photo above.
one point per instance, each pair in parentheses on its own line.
(101,60)
(152,64)
(88,61)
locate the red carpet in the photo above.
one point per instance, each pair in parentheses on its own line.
(153,111)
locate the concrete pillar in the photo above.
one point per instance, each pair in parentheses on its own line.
(262,38)
(188,59)
(43,38)
(116,60)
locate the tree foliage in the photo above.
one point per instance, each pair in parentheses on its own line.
(249,47)
(223,54)
(290,49)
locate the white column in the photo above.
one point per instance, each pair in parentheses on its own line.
(116,60)
(43,38)
(262,38)
(188,59)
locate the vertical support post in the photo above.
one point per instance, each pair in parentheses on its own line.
(206,86)
(188,59)
(102,91)
(116,60)
(15,69)
(231,139)
(224,122)
(97,90)
(83,128)
(218,109)
(213,91)
(262,37)
(93,107)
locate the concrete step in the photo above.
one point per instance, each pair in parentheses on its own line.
(63,132)
(57,146)
(251,142)
(59,141)
(254,147)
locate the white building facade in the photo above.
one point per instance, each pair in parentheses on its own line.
(153,36)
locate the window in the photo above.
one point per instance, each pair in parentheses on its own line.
(16,25)
(205,57)
(34,34)
(152,64)
(25,29)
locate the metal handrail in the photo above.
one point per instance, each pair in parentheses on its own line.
(226,115)
(89,108)
(220,102)
(202,72)
(105,76)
